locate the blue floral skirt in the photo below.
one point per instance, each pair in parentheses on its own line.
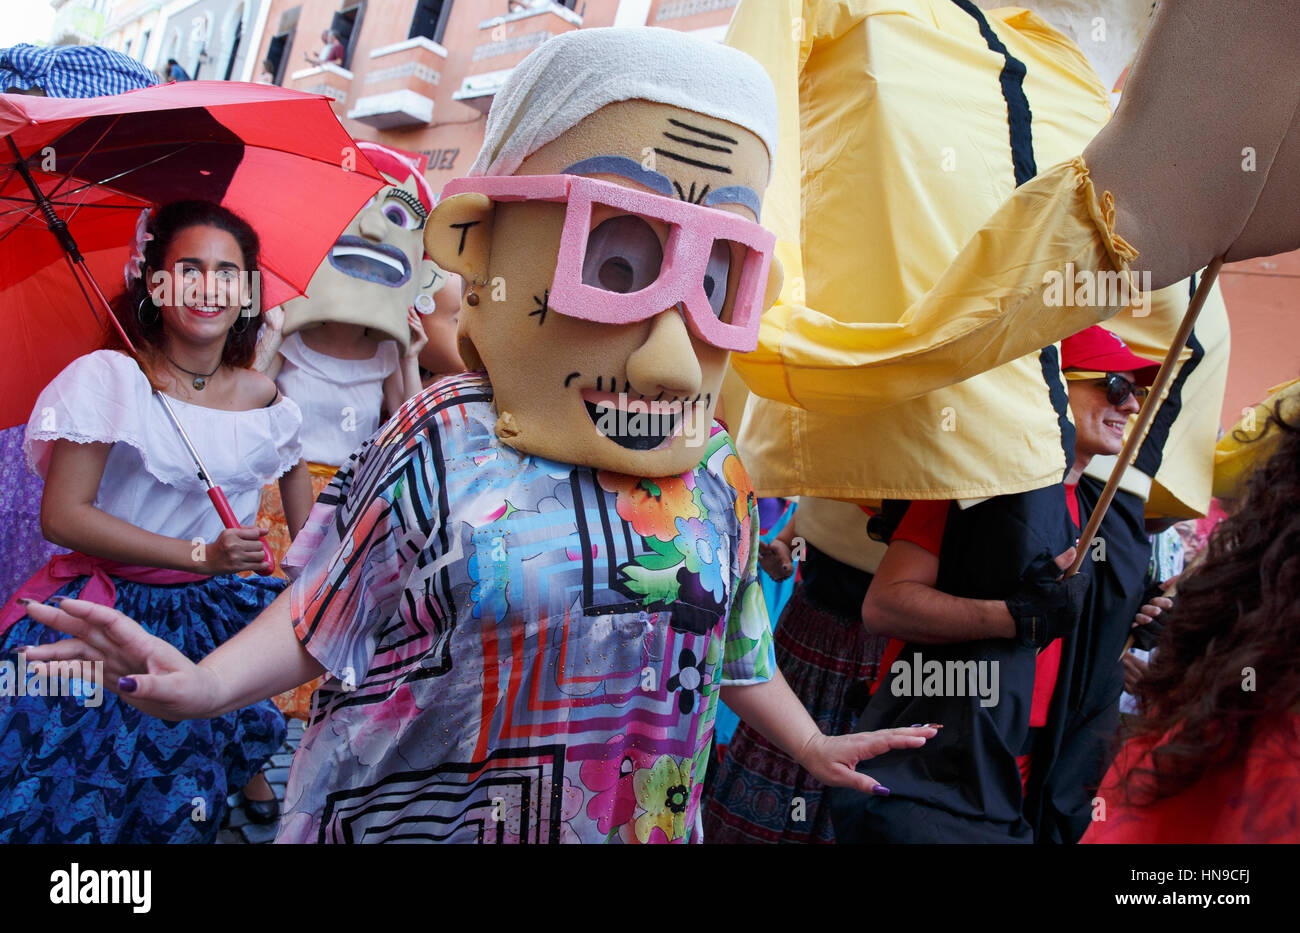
(75,772)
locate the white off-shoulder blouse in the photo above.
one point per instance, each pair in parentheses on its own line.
(149,479)
(340,399)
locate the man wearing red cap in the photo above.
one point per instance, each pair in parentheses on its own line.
(1011,767)
(1107,384)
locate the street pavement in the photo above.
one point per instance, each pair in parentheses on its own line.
(237,830)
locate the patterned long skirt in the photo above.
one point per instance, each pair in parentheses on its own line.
(760,794)
(86,767)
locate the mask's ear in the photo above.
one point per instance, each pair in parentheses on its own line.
(775,279)
(458,235)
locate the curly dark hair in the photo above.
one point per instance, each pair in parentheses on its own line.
(165,223)
(1239,610)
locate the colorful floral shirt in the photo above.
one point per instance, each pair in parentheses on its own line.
(521,650)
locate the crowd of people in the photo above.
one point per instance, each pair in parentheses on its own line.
(515,628)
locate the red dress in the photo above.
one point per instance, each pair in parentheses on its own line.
(1254,799)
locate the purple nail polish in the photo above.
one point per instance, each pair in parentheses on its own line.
(24,601)
(59,599)
(915,725)
(880,790)
(126,684)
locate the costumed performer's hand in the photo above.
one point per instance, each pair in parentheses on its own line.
(418,337)
(234,551)
(1134,670)
(1154,606)
(832,759)
(270,338)
(1044,606)
(145,671)
(775,559)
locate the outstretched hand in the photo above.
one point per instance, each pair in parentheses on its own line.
(833,759)
(144,671)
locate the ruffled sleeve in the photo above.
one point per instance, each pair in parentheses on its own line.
(104,397)
(100,397)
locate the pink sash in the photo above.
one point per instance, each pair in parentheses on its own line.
(64,568)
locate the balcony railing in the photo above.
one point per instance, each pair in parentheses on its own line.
(326,78)
(399,86)
(504,41)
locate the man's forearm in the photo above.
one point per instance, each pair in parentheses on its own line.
(914,612)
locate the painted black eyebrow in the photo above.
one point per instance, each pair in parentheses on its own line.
(698,145)
(709,134)
(678,158)
(464,229)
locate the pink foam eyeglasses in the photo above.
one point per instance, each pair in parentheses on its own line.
(620,272)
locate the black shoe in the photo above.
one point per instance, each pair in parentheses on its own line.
(262,811)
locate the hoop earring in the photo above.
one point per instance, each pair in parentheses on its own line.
(471,297)
(240,330)
(139,313)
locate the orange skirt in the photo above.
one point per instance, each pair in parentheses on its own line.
(270,515)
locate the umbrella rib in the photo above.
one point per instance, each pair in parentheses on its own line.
(109,207)
(103,183)
(77,278)
(85,155)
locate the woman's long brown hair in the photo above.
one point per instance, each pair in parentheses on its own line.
(1229,658)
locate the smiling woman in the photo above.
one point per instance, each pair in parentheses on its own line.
(122,493)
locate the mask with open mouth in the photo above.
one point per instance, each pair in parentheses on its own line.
(370,262)
(639,424)
(368,277)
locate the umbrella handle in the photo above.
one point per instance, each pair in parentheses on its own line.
(230,521)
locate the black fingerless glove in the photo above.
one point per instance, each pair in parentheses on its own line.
(1146,636)
(1045,608)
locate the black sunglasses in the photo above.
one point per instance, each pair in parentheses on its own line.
(1118,389)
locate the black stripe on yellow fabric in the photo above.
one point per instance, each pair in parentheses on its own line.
(1012,79)
(1050,361)
(1024,166)
(1151,454)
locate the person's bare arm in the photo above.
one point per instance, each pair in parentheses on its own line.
(412,384)
(902,603)
(394,387)
(295,495)
(69,518)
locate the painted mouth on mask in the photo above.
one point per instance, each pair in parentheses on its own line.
(370,261)
(634,426)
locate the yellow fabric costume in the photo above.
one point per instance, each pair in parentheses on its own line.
(1253,439)
(908,270)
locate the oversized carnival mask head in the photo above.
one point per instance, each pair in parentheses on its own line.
(372,274)
(609,243)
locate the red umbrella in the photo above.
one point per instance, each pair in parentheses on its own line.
(80,170)
(277,157)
